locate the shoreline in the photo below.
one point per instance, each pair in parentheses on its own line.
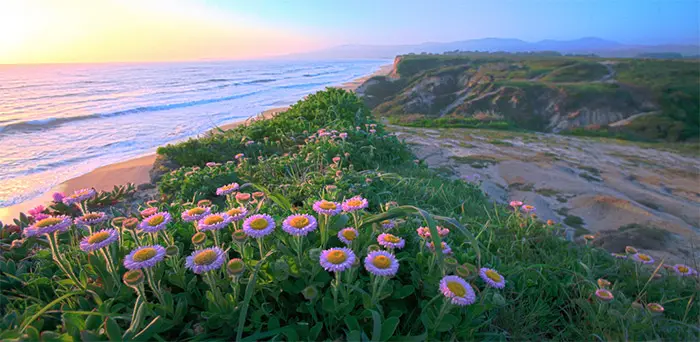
(136,170)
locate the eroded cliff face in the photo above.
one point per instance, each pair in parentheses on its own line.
(494,90)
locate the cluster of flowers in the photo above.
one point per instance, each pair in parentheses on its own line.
(526,208)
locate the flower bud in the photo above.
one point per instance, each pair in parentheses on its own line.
(630,250)
(373,248)
(239,236)
(204,203)
(258,195)
(315,253)
(148,212)
(235,267)
(550,222)
(118,221)
(130,223)
(602,283)
(310,292)
(451,262)
(133,278)
(336,159)
(339,173)
(242,198)
(199,239)
(462,271)
(588,237)
(655,308)
(172,251)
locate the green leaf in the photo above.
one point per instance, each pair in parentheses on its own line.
(389,327)
(354,335)
(112,329)
(352,323)
(316,330)
(250,288)
(88,336)
(327,305)
(376,326)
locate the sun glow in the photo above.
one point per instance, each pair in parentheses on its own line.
(48,31)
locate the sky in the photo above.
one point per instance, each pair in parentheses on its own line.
(60,31)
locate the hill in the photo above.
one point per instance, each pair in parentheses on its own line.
(644,99)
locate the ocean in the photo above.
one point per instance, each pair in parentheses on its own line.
(61,121)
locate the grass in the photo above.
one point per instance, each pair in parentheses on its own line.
(477,162)
(283,293)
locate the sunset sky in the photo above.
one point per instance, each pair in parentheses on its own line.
(55,31)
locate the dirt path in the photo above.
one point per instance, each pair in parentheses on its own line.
(623,193)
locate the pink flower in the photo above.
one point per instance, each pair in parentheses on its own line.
(39,209)
(58,196)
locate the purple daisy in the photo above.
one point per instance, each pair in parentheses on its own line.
(604,295)
(58,197)
(388,224)
(347,235)
(527,208)
(643,258)
(354,204)
(205,260)
(79,196)
(390,241)
(443,246)
(457,290)
(155,222)
(144,257)
(91,219)
(337,259)
(48,225)
(684,270)
(299,225)
(227,189)
(259,225)
(327,208)
(195,214)
(238,213)
(492,278)
(381,263)
(214,222)
(99,240)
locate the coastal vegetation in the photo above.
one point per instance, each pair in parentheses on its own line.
(633,99)
(318,224)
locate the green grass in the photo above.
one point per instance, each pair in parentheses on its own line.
(284,294)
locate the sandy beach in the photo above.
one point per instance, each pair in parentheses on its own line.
(136,170)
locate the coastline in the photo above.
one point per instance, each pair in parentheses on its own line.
(136,170)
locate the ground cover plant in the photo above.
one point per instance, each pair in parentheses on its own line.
(319,225)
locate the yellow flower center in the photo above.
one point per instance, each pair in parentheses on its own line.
(349,234)
(98,237)
(683,269)
(457,288)
(644,257)
(494,276)
(234,211)
(196,211)
(214,219)
(354,202)
(228,187)
(337,257)
(327,205)
(381,261)
(299,222)
(155,220)
(49,221)
(385,222)
(605,294)
(91,216)
(391,238)
(259,223)
(145,254)
(205,257)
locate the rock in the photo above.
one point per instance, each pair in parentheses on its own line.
(161,166)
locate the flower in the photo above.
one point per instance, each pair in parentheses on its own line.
(390,241)
(492,278)
(337,259)
(381,263)
(343,135)
(347,235)
(195,214)
(148,212)
(199,238)
(643,258)
(443,246)
(516,204)
(48,225)
(619,256)
(130,223)
(215,221)
(463,271)
(327,208)
(227,189)
(39,209)
(388,224)
(144,257)
(99,240)
(354,204)
(424,232)
(683,270)
(205,260)
(239,236)
(79,196)
(336,159)
(204,203)
(239,156)
(299,225)
(655,308)
(238,213)
(155,222)
(527,208)
(235,266)
(133,278)
(242,197)
(604,295)
(91,219)
(259,225)
(172,251)
(258,195)
(630,250)
(58,197)
(550,222)
(602,283)
(588,237)
(457,290)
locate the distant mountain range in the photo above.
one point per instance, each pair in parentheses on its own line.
(589,45)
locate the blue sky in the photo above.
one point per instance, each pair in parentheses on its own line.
(416,21)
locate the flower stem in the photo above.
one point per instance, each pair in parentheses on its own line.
(260,247)
(443,310)
(151,284)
